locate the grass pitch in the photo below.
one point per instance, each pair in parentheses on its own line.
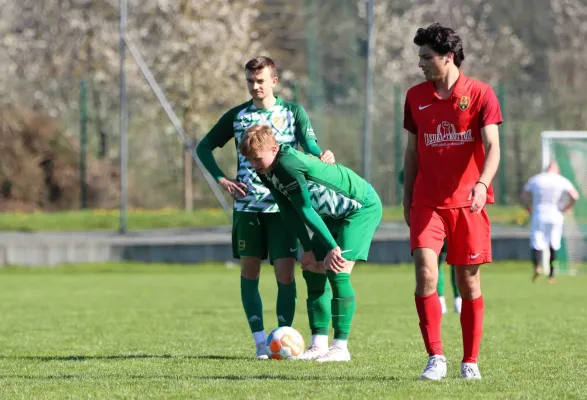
(172,218)
(133,331)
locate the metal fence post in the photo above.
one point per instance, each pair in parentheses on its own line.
(83,152)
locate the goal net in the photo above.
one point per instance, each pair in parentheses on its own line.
(569,150)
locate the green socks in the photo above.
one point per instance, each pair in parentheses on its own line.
(251,299)
(453,280)
(343,304)
(440,283)
(286,303)
(318,303)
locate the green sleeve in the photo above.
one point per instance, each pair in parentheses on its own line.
(223,131)
(218,136)
(290,171)
(204,152)
(304,132)
(291,218)
(303,205)
(311,147)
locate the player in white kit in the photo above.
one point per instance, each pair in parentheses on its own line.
(547,196)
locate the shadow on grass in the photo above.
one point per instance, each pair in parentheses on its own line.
(125,357)
(248,378)
(235,377)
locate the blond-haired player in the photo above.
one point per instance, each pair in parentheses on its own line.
(340,208)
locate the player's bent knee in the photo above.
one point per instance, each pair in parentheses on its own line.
(348,267)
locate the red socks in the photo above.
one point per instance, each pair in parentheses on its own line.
(472,327)
(430,313)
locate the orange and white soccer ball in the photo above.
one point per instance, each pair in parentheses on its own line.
(285,343)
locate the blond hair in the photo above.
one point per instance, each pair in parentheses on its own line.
(256,139)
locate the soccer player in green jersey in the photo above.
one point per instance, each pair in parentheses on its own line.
(257,230)
(342,210)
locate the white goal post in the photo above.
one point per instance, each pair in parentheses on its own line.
(549,136)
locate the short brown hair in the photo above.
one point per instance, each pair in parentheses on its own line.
(256,139)
(258,63)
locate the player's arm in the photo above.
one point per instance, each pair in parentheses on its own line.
(290,173)
(410,169)
(204,153)
(490,115)
(410,160)
(290,216)
(490,135)
(307,138)
(526,195)
(303,205)
(218,136)
(574,196)
(526,200)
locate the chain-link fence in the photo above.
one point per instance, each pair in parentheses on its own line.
(197,56)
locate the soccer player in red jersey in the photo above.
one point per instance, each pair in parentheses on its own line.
(451,158)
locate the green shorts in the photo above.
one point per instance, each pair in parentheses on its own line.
(354,233)
(262,234)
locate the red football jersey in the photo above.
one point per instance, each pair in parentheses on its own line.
(450,148)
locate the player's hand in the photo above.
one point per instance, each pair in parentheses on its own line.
(328,157)
(479,197)
(334,260)
(308,261)
(235,188)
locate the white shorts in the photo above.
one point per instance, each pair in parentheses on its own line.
(546,234)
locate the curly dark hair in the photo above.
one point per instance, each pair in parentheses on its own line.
(442,40)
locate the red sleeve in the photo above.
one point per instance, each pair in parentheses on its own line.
(490,111)
(409,123)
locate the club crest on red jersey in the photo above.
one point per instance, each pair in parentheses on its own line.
(464,103)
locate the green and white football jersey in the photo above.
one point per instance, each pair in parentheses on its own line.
(335,190)
(291,126)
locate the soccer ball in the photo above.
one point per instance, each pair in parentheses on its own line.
(284,343)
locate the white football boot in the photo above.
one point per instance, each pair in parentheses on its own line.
(313,352)
(335,354)
(435,368)
(261,351)
(470,371)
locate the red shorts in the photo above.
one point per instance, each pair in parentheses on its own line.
(468,235)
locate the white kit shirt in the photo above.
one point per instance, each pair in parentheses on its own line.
(548,196)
